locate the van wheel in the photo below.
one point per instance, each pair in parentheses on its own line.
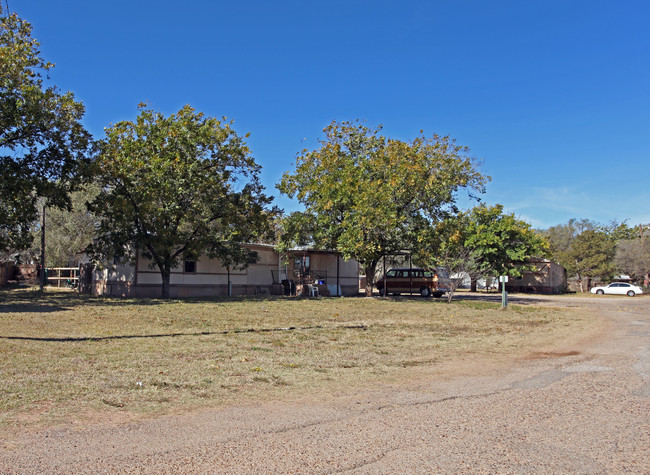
(425,292)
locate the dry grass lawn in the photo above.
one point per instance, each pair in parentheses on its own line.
(66,357)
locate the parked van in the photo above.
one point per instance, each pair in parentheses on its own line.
(426,282)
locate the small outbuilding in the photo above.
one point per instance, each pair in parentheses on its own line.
(547,278)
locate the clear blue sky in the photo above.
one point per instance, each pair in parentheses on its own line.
(552,95)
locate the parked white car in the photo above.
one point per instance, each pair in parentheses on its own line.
(618,288)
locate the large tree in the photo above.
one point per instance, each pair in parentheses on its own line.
(367,196)
(42,142)
(175,188)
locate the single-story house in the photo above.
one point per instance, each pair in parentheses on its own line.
(547,278)
(298,272)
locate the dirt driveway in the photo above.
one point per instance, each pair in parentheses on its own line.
(583,408)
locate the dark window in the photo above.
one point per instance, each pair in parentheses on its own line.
(190,266)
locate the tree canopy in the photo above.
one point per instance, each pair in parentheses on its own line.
(43,145)
(367,196)
(175,188)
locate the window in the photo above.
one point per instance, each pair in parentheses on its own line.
(190,266)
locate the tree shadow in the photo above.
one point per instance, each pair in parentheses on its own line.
(34,301)
(177,334)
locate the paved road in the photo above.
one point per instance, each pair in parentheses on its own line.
(585,410)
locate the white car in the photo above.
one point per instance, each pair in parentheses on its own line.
(618,288)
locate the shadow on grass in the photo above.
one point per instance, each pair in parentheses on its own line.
(28,300)
(487,298)
(175,334)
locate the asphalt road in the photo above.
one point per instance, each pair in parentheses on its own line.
(585,409)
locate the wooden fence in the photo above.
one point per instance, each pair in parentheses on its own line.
(62,276)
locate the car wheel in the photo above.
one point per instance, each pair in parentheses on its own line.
(600,292)
(630,293)
(425,292)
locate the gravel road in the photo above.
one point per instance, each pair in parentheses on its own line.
(583,410)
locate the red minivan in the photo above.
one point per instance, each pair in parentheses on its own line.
(426,282)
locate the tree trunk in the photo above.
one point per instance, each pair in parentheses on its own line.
(473,284)
(370,277)
(165,273)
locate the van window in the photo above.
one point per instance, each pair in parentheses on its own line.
(390,273)
(428,273)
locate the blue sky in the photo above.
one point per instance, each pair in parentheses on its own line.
(553,96)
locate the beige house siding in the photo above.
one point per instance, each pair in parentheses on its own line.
(211,277)
(547,278)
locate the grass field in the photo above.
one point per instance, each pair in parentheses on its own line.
(67,357)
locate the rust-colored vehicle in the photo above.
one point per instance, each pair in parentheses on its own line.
(426,282)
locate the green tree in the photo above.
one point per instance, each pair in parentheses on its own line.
(367,196)
(501,243)
(561,239)
(42,143)
(592,255)
(175,188)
